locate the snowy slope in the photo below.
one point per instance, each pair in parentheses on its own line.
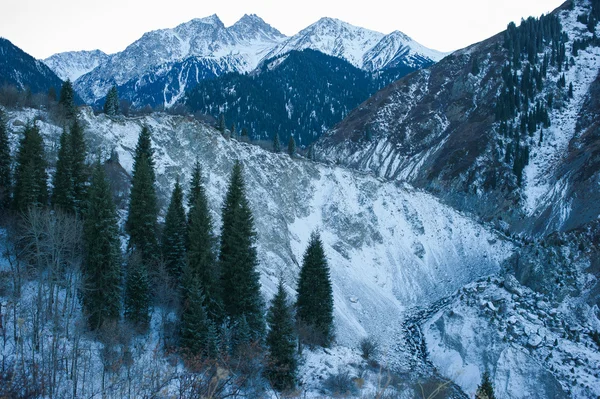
(399,49)
(73,64)
(240,46)
(389,246)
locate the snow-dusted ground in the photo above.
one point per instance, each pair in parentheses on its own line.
(532,349)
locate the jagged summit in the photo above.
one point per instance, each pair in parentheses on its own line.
(73,64)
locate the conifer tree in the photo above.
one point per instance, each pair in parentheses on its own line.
(175,234)
(5,160)
(196,187)
(137,291)
(198,333)
(221,125)
(63,195)
(79,168)
(31,187)
(141,220)
(111,103)
(202,263)
(292,146)
(240,281)
(102,265)
(281,340)
(276,144)
(67,100)
(315,294)
(485,389)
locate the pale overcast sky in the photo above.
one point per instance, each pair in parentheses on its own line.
(45,27)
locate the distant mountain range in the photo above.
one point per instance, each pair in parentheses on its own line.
(172,61)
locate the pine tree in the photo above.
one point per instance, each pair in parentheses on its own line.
(240,281)
(276,144)
(79,168)
(67,100)
(102,265)
(485,389)
(281,340)
(175,234)
(137,291)
(63,195)
(31,187)
(292,146)
(5,160)
(111,103)
(141,220)
(315,294)
(570,93)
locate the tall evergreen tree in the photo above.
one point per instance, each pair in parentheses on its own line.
(240,281)
(137,290)
(221,125)
(30,175)
(175,234)
(276,144)
(281,340)
(79,168)
(102,265)
(202,263)
(63,196)
(315,294)
(111,102)
(141,220)
(5,160)
(67,100)
(292,147)
(485,390)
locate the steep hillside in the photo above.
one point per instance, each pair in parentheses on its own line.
(299,93)
(389,245)
(493,128)
(25,72)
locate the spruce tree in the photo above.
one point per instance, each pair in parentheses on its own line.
(202,263)
(315,294)
(102,264)
(198,332)
(240,281)
(485,389)
(175,234)
(276,144)
(31,187)
(5,160)
(292,146)
(63,196)
(281,340)
(221,125)
(67,100)
(79,168)
(141,220)
(111,102)
(137,291)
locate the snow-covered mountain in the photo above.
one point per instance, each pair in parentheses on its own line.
(158,64)
(73,64)
(363,48)
(206,40)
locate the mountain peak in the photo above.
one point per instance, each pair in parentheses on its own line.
(251,26)
(210,20)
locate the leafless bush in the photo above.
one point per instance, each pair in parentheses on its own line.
(369,347)
(340,384)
